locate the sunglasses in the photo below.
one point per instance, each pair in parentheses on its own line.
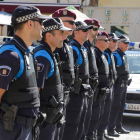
(95,29)
(38,20)
(126,42)
(71,22)
(114,41)
(84,30)
(106,40)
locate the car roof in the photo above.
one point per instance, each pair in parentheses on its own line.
(132,52)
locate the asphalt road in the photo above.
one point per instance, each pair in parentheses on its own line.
(132,125)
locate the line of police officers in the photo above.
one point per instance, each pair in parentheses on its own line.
(61,90)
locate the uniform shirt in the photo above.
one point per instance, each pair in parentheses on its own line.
(99,63)
(77,56)
(62,51)
(108,51)
(115,58)
(118,63)
(87,44)
(92,63)
(98,58)
(111,63)
(63,54)
(44,67)
(9,67)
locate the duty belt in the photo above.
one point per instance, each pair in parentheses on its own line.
(9,118)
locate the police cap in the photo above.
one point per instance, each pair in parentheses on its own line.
(92,21)
(54,24)
(25,13)
(113,36)
(102,33)
(64,13)
(82,25)
(124,38)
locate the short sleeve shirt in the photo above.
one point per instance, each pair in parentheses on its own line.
(44,67)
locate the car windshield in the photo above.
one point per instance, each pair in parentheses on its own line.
(134,63)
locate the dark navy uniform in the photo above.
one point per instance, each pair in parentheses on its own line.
(94,74)
(66,58)
(50,83)
(109,98)
(98,105)
(75,113)
(18,78)
(120,88)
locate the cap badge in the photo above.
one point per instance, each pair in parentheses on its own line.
(65,12)
(92,21)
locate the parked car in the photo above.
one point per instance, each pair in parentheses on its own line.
(132,105)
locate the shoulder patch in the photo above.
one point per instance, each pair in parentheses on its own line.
(40,67)
(5,70)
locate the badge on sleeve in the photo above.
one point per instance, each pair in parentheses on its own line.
(40,67)
(5,70)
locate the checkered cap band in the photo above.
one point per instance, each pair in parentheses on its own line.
(28,17)
(50,28)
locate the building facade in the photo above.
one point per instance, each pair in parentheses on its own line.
(118,16)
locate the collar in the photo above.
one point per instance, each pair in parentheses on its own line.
(20,42)
(46,46)
(78,44)
(108,51)
(121,51)
(98,49)
(67,41)
(88,42)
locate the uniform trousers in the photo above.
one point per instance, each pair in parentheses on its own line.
(73,114)
(97,112)
(82,119)
(117,108)
(20,132)
(47,131)
(59,131)
(88,117)
(107,108)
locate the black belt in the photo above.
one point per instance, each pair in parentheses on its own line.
(22,120)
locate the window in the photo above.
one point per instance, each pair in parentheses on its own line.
(134,64)
(93,3)
(119,30)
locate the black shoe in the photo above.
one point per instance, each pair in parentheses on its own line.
(107,137)
(122,131)
(113,133)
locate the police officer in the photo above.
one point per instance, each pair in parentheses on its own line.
(49,81)
(19,96)
(120,87)
(92,66)
(112,77)
(101,43)
(75,106)
(66,57)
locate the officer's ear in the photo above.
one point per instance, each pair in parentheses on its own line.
(30,23)
(49,35)
(118,43)
(76,32)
